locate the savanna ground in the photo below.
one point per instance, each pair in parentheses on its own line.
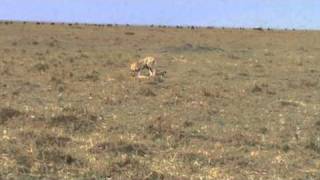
(234,104)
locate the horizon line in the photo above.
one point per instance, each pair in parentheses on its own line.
(183,26)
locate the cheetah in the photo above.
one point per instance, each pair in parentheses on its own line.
(148,62)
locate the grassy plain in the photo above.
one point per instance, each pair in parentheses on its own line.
(234,104)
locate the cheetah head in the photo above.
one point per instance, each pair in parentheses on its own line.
(134,68)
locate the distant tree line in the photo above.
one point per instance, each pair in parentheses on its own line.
(151,26)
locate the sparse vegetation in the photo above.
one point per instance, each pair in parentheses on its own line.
(258,29)
(226,104)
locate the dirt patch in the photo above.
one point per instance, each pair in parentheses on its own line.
(72,123)
(121,147)
(57,157)
(146,92)
(8,113)
(188,47)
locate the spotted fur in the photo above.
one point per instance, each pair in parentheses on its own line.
(148,62)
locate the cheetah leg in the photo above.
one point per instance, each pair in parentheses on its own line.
(154,72)
(150,72)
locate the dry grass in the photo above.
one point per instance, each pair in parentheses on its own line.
(230,104)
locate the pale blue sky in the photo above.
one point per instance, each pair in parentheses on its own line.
(300,14)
